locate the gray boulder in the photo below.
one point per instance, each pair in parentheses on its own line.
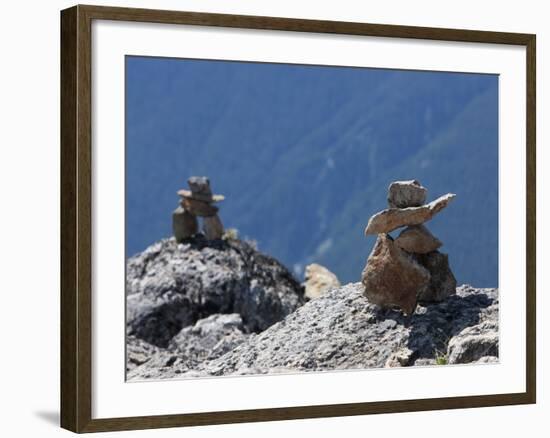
(476,343)
(138,352)
(318,280)
(342,330)
(172,285)
(207,339)
(403,194)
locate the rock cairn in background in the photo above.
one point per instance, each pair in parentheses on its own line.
(402,271)
(197,202)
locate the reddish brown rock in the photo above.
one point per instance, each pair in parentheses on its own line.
(392,277)
(184,224)
(213,227)
(199,208)
(417,239)
(393,218)
(442,281)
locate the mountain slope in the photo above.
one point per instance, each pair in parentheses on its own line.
(304,154)
(463,160)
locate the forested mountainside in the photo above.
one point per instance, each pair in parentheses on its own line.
(304,155)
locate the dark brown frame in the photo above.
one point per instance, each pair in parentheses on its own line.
(76,236)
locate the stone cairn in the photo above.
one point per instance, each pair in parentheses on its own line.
(402,271)
(198,201)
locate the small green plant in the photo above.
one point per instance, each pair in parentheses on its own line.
(231,234)
(441,358)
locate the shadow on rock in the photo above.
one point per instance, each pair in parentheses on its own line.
(433,325)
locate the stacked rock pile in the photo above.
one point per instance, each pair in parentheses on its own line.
(197,202)
(402,271)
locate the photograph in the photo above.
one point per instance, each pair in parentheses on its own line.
(275,219)
(290,218)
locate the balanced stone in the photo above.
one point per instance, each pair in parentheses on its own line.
(393,218)
(417,239)
(198,201)
(319,280)
(200,190)
(200,185)
(199,208)
(392,277)
(184,224)
(403,194)
(442,281)
(213,227)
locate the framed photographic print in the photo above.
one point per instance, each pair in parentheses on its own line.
(270,218)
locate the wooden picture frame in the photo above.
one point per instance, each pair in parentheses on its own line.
(76,217)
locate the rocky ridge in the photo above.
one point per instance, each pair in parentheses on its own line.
(171,286)
(200,306)
(339,330)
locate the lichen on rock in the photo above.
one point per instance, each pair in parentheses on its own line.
(172,285)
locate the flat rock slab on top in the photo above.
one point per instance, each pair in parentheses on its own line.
(393,218)
(403,194)
(200,189)
(417,239)
(392,277)
(199,196)
(199,208)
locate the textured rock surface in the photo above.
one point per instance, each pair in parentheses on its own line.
(318,280)
(170,286)
(216,334)
(474,343)
(402,194)
(207,339)
(442,281)
(392,277)
(138,352)
(417,239)
(342,330)
(393,218)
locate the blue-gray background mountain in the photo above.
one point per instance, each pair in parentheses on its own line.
(304,155)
